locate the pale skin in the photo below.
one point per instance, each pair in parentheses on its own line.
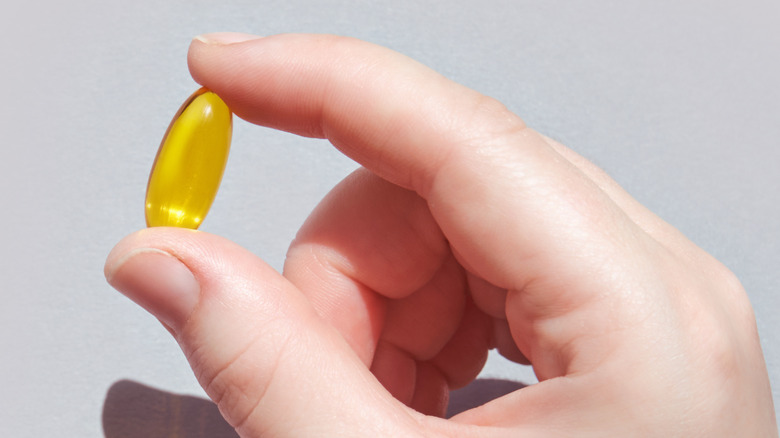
(465,230)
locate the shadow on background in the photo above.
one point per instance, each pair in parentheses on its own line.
(478,393)
(133,410)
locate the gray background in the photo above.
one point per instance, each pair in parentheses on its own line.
(678,100)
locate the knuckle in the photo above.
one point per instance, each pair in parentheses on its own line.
(494,119)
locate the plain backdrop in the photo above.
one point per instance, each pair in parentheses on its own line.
(678,100)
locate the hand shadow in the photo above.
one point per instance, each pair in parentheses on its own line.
(478,393)
(133,410)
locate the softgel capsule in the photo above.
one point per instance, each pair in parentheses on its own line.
(190,162)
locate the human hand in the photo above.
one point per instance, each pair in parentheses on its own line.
(465,231)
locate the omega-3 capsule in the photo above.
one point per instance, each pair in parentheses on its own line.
(188,168)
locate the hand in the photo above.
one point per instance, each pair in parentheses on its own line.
(464,231)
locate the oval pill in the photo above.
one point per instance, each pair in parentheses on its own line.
(190,162)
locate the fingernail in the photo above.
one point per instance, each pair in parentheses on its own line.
(225,38)
(158,282)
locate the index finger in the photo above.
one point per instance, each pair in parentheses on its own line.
(406,123)
(388,112)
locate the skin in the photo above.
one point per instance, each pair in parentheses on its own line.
(465,230)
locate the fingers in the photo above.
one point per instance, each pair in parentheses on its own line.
(367,242)
(255,344)
(393,115)
(424,322)
(515,212)
(499,192)
(375,266)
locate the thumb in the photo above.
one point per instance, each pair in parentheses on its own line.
(255,344)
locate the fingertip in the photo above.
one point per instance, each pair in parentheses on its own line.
(224,38)
(146,266)
(119,253)
(181,243)
(204,56)
(158,282)
(202,45)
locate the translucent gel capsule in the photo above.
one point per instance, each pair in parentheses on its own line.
(190,163)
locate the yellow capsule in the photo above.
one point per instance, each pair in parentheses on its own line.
(189,165)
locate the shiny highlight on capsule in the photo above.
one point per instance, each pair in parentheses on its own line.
(190,162)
